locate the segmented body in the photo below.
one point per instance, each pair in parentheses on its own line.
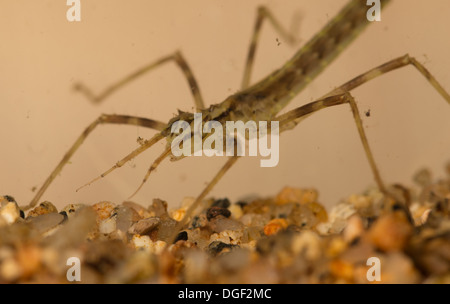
(265,99)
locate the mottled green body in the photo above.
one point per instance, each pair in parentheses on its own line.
(265,99)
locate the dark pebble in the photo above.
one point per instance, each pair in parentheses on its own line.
(216,211)
(355,241)
(195,222)
(10,198)
(222,203)
(64,213)
(182,236)
(216,247)
(369,221)
(242,204)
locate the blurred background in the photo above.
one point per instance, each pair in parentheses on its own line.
(42,56)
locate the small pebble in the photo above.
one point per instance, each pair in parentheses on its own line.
(125,216)
(275,225)
(213,212)
(140,212)
(220,224)
(221,203)
(236,211)
(71,209)
(10,270)
(217,247)
(233,237)
(8,198)
(199,221)
(104,210)
(159,208)
(42,208)
(296,195)
(166,229)
(178,214)
(354,229)
(144,226)
(108,226)
(9,211)
(144,242)
(307,244)
(391,232)
(182,236)
(45,222)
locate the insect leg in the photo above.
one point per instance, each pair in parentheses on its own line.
(290,38)
(293,117)
(177,57)
(391,66)
(103,119)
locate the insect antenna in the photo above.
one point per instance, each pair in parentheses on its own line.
(154,165)
(147,144)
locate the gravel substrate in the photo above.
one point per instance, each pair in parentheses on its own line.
(289,238)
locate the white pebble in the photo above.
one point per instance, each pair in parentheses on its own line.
(10,212)
(307,243)
(107,226)
(141,241)
(233,237)
(236,211)
(144,242)
(10,270)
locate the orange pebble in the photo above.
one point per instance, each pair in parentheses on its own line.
(296,195)
(43,208)
(103,210)
(319,211)
(29,258)
(391,232)
(275,225)
(342,270)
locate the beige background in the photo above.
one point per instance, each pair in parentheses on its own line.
(42,55)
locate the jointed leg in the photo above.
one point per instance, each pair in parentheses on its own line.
(340,95)
(290,38)
(179,60)
(388,67)
(291,118)
(372,74)
(103,119)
